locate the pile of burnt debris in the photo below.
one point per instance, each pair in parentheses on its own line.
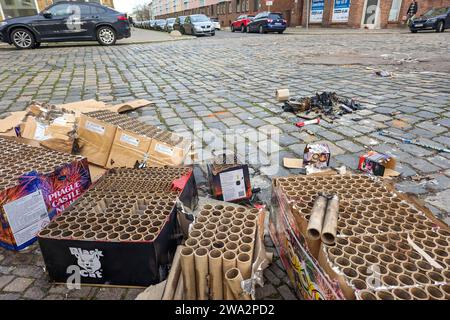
(326,105)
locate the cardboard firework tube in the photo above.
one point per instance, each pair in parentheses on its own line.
(435,293)
(201,273)
(178,295)
(228,262)
(233,279)
(315,224)
(231,247)
(244,264)
(367,295)
(192,243)
(384,295)
(187,269)
(174,275)
(419,294)
(329,229)
(215,273)
(205,243)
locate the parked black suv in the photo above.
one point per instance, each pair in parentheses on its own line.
(66,21)
(437,19)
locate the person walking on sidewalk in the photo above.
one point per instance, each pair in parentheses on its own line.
(412,10)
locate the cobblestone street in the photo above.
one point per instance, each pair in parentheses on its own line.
(229,83)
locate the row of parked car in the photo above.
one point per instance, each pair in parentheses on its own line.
(195,24)
(263,22)
(199,24)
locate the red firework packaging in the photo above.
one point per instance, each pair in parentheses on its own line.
(35,185)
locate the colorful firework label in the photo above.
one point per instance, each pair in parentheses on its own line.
(26,216)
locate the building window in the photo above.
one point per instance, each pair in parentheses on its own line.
(17,8)
(256,5)
(395,10)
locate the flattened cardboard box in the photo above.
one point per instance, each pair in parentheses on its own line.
(169,148)
(127,148)
(95,139)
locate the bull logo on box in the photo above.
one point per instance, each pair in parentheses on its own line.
(88,261)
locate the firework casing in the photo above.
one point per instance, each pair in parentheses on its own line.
(230,182)
(215,274)
(27,206)
(378,164)
(134,249)
(95,139)
(317,154)
(201,273)
(188,272)
(329,229)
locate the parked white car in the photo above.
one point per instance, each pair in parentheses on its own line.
(216,23)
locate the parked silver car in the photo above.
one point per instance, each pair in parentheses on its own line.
(169,24)
(198,24)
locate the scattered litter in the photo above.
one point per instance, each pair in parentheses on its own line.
(411,141)
(341,170)
(317,154)
(378,164)
(292,163)
(383,73)
(282,94)
(308,122)
(326,105)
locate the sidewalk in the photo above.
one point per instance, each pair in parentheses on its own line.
(338,31)
(138,36)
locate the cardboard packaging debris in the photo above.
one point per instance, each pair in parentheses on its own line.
(122,231)
(54,126)
(386,247)
(317,154)
(10,122)
(35,185)
(228,179)
(378,164)
(95,137)
(282,94)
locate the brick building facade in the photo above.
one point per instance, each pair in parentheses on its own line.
(325,13)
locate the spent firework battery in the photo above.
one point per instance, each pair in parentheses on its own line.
(115,140)
(125,225)
(229,180)
(35,185)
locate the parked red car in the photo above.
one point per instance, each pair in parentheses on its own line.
(240,24)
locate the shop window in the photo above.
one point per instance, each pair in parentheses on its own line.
(395,10)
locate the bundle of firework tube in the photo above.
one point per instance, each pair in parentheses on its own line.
(218,254)
(128,216)
(35,184)
(382,247)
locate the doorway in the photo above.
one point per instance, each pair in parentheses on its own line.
(371,14)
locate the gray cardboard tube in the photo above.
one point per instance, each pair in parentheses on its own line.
(314,228)
(329,228)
